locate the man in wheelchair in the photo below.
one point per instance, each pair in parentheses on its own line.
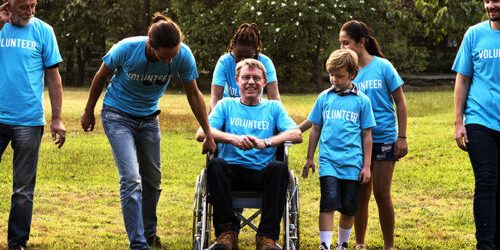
(247,130)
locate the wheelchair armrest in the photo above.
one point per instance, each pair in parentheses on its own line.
(282,152)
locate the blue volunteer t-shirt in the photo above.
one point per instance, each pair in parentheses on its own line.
(264,120)
(378,80)
(342,119)
(137,85)
(25,53)
(479,59)
(225,73)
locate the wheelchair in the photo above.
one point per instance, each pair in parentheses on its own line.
(202,209)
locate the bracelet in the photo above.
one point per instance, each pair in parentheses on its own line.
(402,137)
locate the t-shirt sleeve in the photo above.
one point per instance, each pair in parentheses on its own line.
(367,117)
(219,77)
(392,77)
(270,70)
(50,54)
(115,56)
(187,69)
(463,60)
(217,116)
(284,122)
(315,116)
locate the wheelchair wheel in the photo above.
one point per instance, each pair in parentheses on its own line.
(291,220)
(201,214)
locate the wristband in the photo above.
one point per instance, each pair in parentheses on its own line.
(403,137)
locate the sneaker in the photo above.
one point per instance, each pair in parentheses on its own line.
(227,240)
(323,246)
(265,243)
(360,247)
(341,247)
(153,241)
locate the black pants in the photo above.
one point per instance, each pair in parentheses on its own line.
(272,181)
(484,148)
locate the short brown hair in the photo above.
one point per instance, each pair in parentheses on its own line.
(251,63)
(343,59)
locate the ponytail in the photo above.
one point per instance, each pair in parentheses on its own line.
(163,32)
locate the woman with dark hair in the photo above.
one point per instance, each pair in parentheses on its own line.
(246,43)
(141,68)
(379,80)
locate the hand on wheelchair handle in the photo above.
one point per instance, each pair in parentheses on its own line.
(209,145)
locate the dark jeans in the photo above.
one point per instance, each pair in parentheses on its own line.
(484,148)
(272,181)
(25,141)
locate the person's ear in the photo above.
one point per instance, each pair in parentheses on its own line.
(354,74)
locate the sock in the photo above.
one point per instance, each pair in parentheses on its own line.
(344,235)
(326,236)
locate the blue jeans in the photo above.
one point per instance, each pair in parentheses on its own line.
(484,152)
(136,149)
(25,141)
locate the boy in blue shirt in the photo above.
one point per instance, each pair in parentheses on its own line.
(342,119)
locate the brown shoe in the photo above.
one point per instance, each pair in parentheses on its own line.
(227,240)
(264,243)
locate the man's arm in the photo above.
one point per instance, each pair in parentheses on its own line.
(462,85)
(292,135)
(54,84)
(197,104)
(101,77)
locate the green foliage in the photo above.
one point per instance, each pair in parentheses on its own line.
(297,35)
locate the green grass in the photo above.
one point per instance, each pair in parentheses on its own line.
(77,193)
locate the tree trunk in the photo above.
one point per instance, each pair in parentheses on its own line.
(147,13)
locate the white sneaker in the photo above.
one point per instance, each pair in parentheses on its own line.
(343,246)
(323,246)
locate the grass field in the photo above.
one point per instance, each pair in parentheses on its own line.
(77,193)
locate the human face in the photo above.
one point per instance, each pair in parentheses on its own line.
(341,79)
(241,52)
(492,9)
(251,82)
(346,42)
(21,11)
(166,55)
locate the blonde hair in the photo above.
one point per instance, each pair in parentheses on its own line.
(251,63)
(343,59)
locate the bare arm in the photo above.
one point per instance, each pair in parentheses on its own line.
(54,84)
(197,104)
(273,92)
(401,148)
(462,85)
(215,95)
(305,125)
(365,174)
(311,148)
(101,77)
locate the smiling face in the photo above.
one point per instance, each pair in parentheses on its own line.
(241,52)
(21,11)
(251,81)
(492,9)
